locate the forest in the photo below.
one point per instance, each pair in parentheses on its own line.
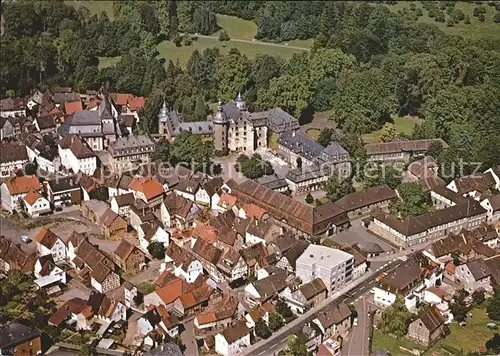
(367,65)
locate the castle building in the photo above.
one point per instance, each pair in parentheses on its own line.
(232,127)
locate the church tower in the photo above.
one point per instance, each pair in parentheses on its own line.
(221,128)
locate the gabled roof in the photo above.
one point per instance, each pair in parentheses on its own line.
(313,288)
(72,306)
(236,332)
(72,106)
(432,319)
(150,187)
(21,185)
(46,238)
(366,197)
(12,152)
(171,291)
(401,146)
(14,334)
(334,315)
(125,199)
(32,197)
(479,269)
(109,217)
(178,205)
(207,251)
(125,249)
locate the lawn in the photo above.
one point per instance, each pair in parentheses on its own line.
(236,27)
(472,336)
(168,50)
(146,288)
(314,133)
(475,29)
(404,124)
(95,7)
(105,62)
(391,345)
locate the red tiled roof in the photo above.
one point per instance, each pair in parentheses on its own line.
(32,197)
(121,98)
(135,104)
(21,185)
(71,107)
(46,237)
(147,185)
(171,291)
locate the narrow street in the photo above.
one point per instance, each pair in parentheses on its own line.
(357,342)
(189,340)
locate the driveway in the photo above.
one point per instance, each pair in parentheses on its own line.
(357,234)
(189,340)
(76,290)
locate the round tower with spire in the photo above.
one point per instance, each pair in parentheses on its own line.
(221,129)
(240,103)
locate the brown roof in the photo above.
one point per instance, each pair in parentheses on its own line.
(462,242)
(449,194)
(205,232)
(150,187)
(298,215)
(109,217)
(493,264)
(72,306)
(255,253)
(481,182)
(294,253)
(401,146)
(432,319)
(409,272)
(121,98)
(46,121)
(124,249)
(125,199)
(366,198)
(207,251)
(12,152)
(178,205)
(197,296)
(77,145)
(313,288)
(334,315)
(236,331)
(46,238)
(99,264)
(418,224)
(21,185)
(423,168)
(16,257)
(165,278)
(188,186)
(430,183)
(213,186)
(495,202)
(271,285)
(179,256)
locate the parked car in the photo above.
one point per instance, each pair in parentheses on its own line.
(355,322)
(25,239)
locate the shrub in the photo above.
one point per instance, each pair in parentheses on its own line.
(223,36)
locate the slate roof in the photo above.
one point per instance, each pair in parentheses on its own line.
(366,197)
(272,181)
(479,269)
(14,334)
(128,145)
(62,184)
(414,225)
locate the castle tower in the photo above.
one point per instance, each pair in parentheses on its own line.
(221,128)
(240,103)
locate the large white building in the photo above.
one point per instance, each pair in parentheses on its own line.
(334,267)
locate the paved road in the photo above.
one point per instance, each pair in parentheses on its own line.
(259,43)
(357,342)
(189,340)
(349,294)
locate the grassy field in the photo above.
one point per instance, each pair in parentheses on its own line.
(403,124)
(168,50)
(472,336)
(314,133)
(391,345)
(236,27)
(105,62)
(475,29)
(94,7)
